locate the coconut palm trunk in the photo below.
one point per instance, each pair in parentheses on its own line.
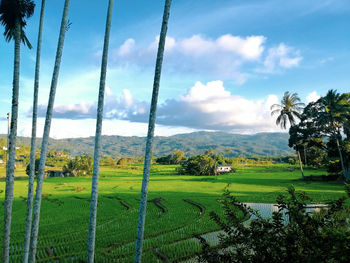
(150,134)
(97,150)
(300,165)
(345,175)
(10,168)
(41,171)
(32,143)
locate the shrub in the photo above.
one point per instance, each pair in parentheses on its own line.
(80,165)
(306,237)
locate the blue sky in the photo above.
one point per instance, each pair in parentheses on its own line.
(226,63)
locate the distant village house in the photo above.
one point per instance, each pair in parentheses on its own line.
(223,168)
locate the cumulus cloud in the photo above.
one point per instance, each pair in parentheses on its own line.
(227,57)
(312,97)
(126,48)
(281,57)
(170,43)
(114,108)
(204,106)
(249,48)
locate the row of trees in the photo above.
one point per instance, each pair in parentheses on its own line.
(13,15)
(323,133)
(320,131)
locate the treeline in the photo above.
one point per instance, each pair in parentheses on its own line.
(206,164)
(322,137)
(261,144)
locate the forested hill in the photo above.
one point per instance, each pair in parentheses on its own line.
(261,144)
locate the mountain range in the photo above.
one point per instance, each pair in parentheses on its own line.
(260,144)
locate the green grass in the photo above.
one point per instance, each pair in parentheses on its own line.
(65,209)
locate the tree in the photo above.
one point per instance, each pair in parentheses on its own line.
(97,150)
(37,204)
(288,112)
(150,134)
(203,164)
(13,14)
(178,156)
(34,164)
(321,126)
(123,161)
(334,112)
(293,234)
(80,165)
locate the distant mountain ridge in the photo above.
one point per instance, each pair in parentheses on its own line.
(260,144)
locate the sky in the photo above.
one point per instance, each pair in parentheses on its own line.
(225,63)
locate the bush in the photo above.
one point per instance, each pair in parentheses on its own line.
(198,165)
(80,165)
(306,237)
(36,170)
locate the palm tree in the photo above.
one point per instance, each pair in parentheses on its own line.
(32,143)
(37,204)
(288,112)
(335,115)
(97,150)
(12,16)
(150,134)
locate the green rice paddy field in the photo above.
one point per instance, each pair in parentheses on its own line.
(178,208)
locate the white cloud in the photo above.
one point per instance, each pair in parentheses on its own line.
(204,106)
(227,57)
(170,43)
(201,92)
(281,56)
(312,97)
(210,106)
(127,47)
(66,128)
(196,46)
(249,47)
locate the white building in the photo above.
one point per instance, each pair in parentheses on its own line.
(223,168)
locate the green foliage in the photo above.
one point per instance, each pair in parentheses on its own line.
(125,161)
(261,144)
(203,164)
(305,237)
(107,161)
(198,165)
(37,162)
(288,111)
(319,131)
(80,165)
(65,204)
(175,158)
(12,11)
(57,158)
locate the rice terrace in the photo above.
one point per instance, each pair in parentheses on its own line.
(178,209)
(174,131)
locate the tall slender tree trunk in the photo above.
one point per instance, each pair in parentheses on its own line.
(341,158)
(301,165)
(10,168)
(150,134)
(40,176)
(97,150)
(32,143)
